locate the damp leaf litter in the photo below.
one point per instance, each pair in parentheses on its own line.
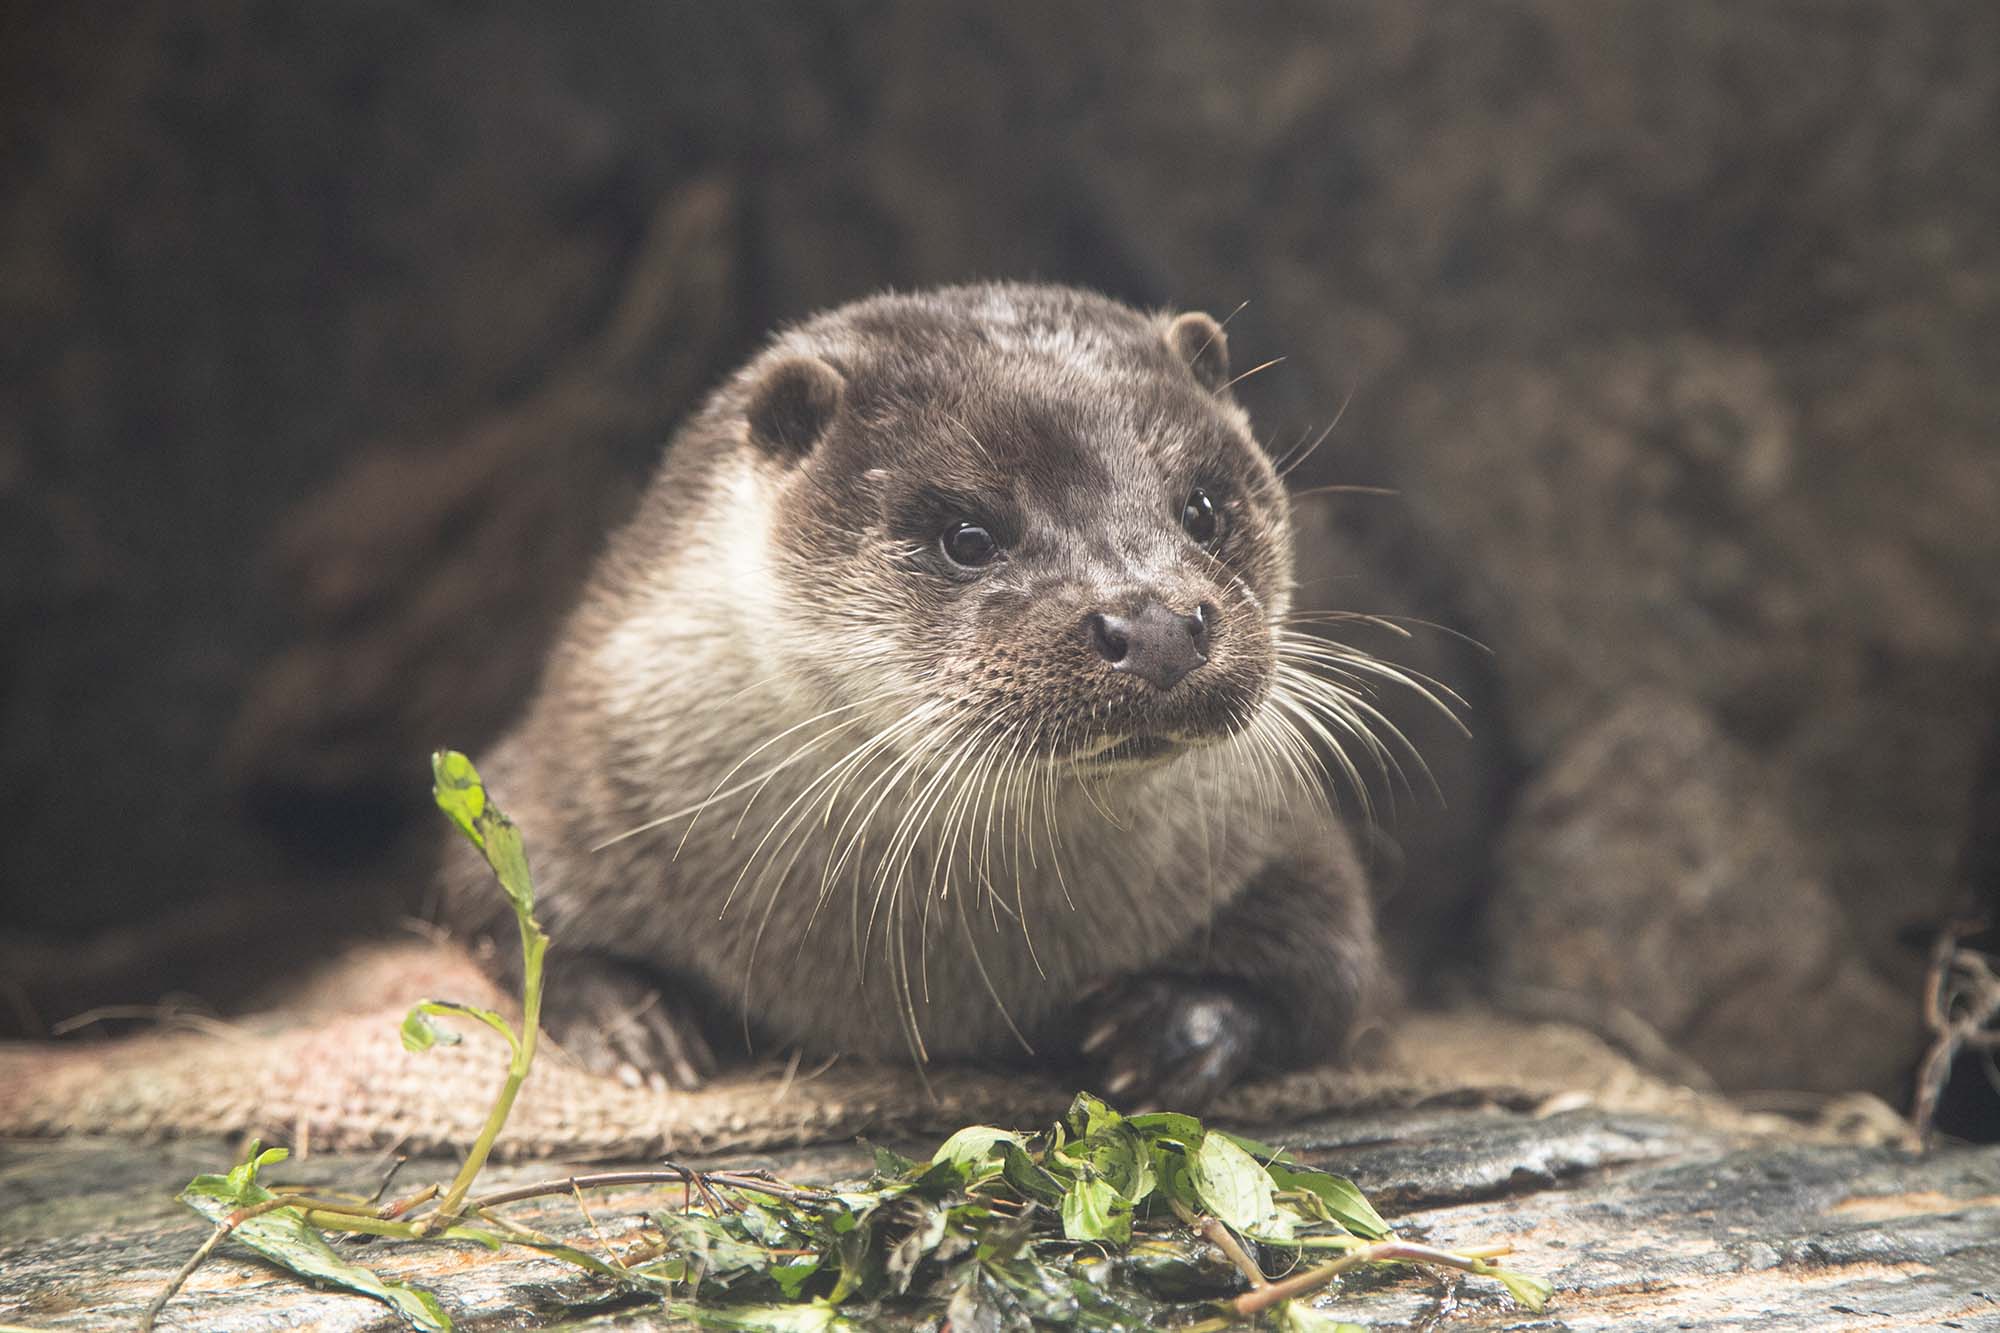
(1101,1221)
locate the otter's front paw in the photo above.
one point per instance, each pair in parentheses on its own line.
(613,1020)
(1169,1039)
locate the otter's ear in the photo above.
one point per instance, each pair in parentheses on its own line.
(1202,347)
(792,405)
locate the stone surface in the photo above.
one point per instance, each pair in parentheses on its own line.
(1641,1222)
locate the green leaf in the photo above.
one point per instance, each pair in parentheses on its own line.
(1170,1125)
(1231,1184)
(714,1253)
(1030,1180)
(1087,1115)
(460,794)
(1117,1154)
(1002,1239)
(968,1149)
(792,1277)
(1177,1271)
(1263,1152)
(284,1238)
(637,1278)
(243,1176)
(1530,1293)
(1344,1203)
(1095,1210)
(1171,1175)
(851,1250)
(891,1165)
(420,1034)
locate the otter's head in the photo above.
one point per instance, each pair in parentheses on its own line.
(1027,516)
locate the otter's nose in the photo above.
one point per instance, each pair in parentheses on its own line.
(1155,644)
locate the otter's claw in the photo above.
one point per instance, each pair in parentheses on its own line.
(614,1021)
(1178,1040)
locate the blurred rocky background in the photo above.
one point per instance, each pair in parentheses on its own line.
(333,338)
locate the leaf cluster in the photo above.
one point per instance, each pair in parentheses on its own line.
(1094,1224)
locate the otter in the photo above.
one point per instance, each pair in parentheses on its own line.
(943,697)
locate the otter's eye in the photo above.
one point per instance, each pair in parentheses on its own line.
(1198,516)
(969,545)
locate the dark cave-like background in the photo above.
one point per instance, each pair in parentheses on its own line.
(336,336)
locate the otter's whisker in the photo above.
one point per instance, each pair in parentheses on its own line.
(1286,468)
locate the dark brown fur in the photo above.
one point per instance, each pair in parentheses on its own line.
(709,844)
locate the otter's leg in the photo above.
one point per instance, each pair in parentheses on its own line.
(614,1017)
(1282,977)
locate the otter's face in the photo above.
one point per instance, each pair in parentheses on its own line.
(1067,543)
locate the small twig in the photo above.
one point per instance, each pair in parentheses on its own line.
(403,1206)
(673,1174)
(1222,1238)
(388,1179)
(599,1180)
(195,1260)
(1255,1302)
(701,1185)
(576,1192)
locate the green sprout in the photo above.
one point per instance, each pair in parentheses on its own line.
(461,795)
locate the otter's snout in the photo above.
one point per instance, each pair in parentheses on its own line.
(1156,644)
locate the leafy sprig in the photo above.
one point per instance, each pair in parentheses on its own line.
(1101,1222)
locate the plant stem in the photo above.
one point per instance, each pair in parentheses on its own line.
(1217,1234)
(1255,1302)
(601,1180)
(533,945)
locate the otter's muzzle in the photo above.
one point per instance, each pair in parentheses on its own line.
(1154,643)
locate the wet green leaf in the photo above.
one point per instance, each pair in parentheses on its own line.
(1170,1125)
(1021,1171)
(714,1252)
(1343,1202)
(1117,1154)
(970,1147)
(1088,1115)
(1095,1210)
(1263,1152)
(283,1237)
(1231,1184)
(791,1277)
(890,1165)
